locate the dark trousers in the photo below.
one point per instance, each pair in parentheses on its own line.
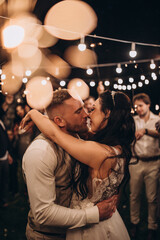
(4,181)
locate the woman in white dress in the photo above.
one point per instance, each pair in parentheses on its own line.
(104,160)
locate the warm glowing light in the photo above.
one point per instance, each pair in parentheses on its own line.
(62,83)
(43,82)
(28,73)
(152,65)
(129,87)
(89,71)
(81,59)
(38,95)
(82,46)
(79,86)
(146,81)
(134,86)
(124,87)
(140,84)
(115,86)
(133,52)
(92,83)
(131,80)
(142,77)
(24,80)
(118,69)
(0,71)
(70,20)
(156,107)
(106,83)
(120,81)
(12,36)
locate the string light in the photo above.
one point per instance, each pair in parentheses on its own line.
(152,65)
(131,80)
(118,69)
(82,45)
(142,77)
(89,71)
(120,81)
(106,83)
(62,83)
(92,83)
(133,52)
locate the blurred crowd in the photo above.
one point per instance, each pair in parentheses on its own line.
(12,147)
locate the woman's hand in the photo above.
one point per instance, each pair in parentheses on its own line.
(26,123)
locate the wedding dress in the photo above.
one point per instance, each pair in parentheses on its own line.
(112,228)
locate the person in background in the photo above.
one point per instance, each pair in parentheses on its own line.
(144,165)
(5,160)
(8,111)
(13,168)
(88,103)
(22,139)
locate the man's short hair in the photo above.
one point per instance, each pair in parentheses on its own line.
(59,96)
(142,96)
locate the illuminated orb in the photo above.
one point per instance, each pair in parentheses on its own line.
(10,83)
(80,87)
(70,20)
(12,36)
(39,92)
(81,59)
(57,67)
(46,39)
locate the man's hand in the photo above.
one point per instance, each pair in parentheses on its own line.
(10,159)
(140,133)
(157,125)
(107,207)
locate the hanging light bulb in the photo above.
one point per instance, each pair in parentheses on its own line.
(131,80)
(92,83)
(133,52)
(152,65)
(120,81)
(118,69)
(62,83)
(142,77)
(82,45)
(106,83)
(89,71)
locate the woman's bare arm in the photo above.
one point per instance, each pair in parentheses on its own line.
(87,152)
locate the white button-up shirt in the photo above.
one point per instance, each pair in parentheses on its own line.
(147,146)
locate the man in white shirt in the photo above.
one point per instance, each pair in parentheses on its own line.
(48,171)
(144,167)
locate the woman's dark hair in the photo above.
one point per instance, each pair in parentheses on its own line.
(120,130)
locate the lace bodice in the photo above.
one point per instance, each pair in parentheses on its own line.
(102,188)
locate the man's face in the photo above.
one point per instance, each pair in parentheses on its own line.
(20,111)
(75,116)
(141,108)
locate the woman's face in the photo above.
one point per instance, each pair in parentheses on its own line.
(98,118)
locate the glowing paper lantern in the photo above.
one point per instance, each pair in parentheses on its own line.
(46,39)
(70,20)
(10,83)
(57,67)
(81,59)
(28,48)
(12,36)
(80,87)
(39,92)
